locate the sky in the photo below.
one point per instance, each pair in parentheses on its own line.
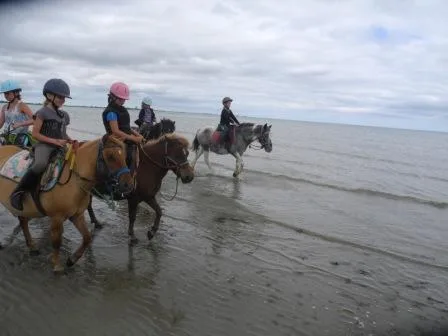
(367,62)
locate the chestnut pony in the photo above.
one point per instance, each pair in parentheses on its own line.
(157,157)
(70,196)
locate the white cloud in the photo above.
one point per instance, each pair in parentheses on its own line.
(312,60)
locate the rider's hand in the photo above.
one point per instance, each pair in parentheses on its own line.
(13,126)
(60,142)
(139,139)
(75,145)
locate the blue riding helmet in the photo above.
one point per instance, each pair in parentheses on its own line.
(10,85)
(147,101)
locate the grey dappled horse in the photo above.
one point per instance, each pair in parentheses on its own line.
(245,134)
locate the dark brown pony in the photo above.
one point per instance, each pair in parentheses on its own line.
(157,157)
(69,198)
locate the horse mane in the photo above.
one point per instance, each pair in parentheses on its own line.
(247,124)
(166,119)
(170,137)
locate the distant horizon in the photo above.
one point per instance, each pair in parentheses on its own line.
(259,117)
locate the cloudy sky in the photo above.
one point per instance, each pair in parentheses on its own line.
(370,62)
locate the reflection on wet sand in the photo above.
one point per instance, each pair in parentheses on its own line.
(217,267)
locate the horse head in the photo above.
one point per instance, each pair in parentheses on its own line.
(258,132)
(155,131)
(167,126)
(170,152)
(264,137)
(112,153)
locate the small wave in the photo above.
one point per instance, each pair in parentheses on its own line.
(83,131)
(365,191)
(369,192)
(349,155)
(324,237)
(341,241)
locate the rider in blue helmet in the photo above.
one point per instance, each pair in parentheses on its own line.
(146,115)
(16,116)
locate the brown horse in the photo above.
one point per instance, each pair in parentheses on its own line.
(70,196)
(157,157)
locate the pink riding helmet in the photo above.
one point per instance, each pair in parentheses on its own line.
(120,90)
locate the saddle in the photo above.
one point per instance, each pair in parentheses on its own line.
(22,140)
(220,135)
(17,165)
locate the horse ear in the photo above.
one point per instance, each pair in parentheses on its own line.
(265,126)
(270,126)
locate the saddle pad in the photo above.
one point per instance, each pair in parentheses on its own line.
(18,164)
(216,137)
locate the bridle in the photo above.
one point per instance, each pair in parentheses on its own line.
(168,163)
(261,140)
(104,171)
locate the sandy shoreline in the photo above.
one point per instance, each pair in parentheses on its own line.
(213,274)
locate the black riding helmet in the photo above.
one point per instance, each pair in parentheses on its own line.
(58,87)
(226,99)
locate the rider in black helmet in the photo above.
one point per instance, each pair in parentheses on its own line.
(49,129)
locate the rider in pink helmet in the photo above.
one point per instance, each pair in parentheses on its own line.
(117,121)
(120,90)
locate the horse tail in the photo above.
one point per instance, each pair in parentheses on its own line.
(195,143)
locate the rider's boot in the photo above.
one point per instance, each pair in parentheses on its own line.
(27,183)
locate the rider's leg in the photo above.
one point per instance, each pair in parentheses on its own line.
(131,157)
(42,153)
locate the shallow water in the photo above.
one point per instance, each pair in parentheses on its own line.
(338,231)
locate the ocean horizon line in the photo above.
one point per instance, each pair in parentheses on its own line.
(255,117)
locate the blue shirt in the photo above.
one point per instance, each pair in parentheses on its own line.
(111,116)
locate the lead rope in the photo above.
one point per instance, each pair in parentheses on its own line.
(175,193)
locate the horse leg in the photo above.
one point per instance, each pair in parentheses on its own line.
(206,154)
(26,232)
(199,152)
(56,239)
(93,219)
(152,202)
(238,164)
(132,213)
(80,223)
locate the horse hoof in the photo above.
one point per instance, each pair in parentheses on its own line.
(69,262)
(150,235)
(234,175)
(98,225)
(58,269)
(133,240)
(34,253)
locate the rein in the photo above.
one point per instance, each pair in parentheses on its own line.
(167,158)
(257,138)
